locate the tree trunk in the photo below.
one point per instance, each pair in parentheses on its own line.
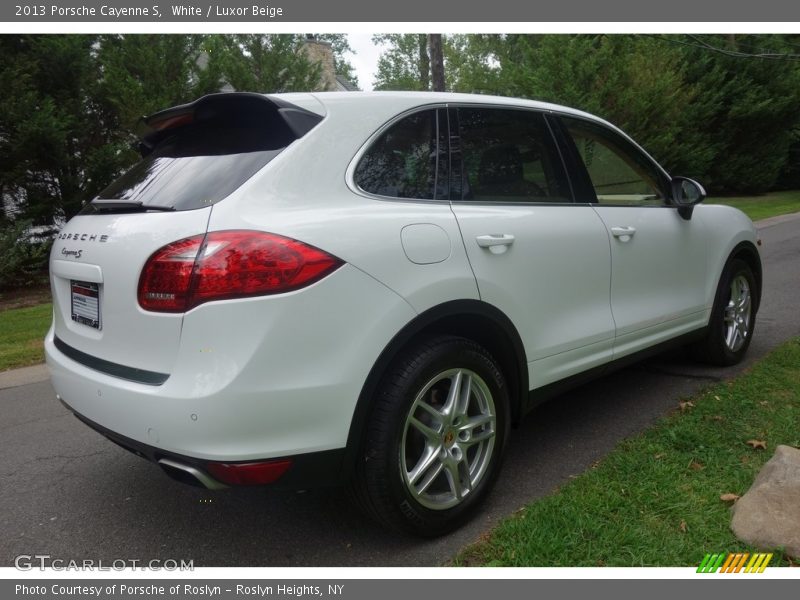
(437,61)
(424,64)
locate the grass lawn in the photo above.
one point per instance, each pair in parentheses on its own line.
(655,500)
(21,333)
(761,207)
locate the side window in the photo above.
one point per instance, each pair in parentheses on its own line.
(509,156)
(402,162)
(619,172)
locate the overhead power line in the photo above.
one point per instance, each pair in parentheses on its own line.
(703,45)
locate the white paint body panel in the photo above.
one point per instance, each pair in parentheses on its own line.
(425,243)
(553,287)
(265,377)
(129,335)
(658,275)
(281,375)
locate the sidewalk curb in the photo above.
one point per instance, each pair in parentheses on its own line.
(24,376)
(770,221)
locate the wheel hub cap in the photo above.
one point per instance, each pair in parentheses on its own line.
(448,439)
(737,314)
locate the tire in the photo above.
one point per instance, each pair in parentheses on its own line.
(733,317)
(423,470)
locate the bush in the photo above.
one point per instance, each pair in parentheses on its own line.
(23,259)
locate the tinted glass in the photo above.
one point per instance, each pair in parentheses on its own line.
(509,155)
(619,172)
(402,162)
(198,166)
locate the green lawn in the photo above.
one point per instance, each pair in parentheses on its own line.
(655,500)
(761,207)
(21,333)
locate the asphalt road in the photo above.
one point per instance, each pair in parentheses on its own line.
(67,492)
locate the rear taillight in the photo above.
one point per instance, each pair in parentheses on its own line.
(228,264)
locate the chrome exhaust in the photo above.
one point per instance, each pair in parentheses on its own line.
(189,475)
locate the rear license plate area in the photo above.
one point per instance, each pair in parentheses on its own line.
(85,303)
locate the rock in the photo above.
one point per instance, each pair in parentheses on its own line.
(768,515)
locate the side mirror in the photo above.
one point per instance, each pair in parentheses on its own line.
(685,194)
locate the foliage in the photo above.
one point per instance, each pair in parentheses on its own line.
(47,134)
(22,259)
(710,107)
(789,179)
(404,64)
(341,47)
(634,82)
(752,109)
(72,103)
(263,63)
(703,105)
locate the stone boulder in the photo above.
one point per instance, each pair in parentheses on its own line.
(768,515)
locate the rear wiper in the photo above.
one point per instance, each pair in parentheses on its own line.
(127,205)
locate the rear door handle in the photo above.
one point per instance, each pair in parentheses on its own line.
(497,243)
(624,234)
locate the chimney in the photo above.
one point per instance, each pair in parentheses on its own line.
(321,53)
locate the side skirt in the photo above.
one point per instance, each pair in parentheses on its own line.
(551,390)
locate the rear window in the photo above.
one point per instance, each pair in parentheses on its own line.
(203,162)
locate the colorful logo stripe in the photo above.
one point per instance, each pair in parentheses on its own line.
(735,562)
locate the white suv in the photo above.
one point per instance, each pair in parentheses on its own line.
(373,288)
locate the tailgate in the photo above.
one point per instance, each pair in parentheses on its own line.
(94,269)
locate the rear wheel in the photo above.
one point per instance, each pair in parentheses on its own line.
(435,438)
(733,317)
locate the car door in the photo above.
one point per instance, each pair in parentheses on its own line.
(658,257)
(541,259)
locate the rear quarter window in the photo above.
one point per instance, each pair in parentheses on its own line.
(402,162)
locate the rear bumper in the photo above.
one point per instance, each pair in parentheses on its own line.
(253,379)
(311,470)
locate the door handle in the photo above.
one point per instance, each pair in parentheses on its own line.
(624,234)
(497,243)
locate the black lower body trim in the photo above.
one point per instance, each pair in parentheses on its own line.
(544,393)
(311,470)
(110,368)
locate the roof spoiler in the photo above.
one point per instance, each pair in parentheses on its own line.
(165,122)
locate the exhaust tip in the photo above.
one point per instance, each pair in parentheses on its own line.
(189,475)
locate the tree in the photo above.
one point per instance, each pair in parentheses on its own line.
(340,44)
(19,101)
(436,62)
(74,103)
(719,108)
(263,63)
(404,64)
(475,64)
(633,81)
(705,107)
(140,75)
(753,117)
(47,128)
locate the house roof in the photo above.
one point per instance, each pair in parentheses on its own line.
(345,85)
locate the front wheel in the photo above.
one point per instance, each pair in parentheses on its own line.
(733,317)
(435,438)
